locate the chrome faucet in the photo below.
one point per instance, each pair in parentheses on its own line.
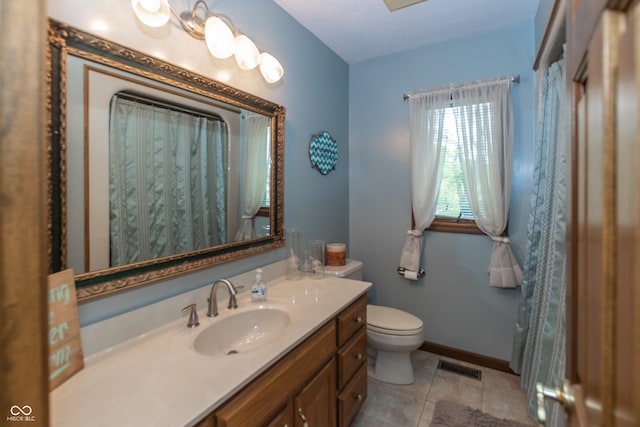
(213,300)
(193,315)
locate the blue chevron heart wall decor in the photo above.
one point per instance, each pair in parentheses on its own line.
(323,152)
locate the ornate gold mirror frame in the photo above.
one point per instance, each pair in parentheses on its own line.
(65,40)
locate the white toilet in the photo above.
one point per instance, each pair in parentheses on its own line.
(392,334)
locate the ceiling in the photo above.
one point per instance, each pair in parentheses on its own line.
(359,30)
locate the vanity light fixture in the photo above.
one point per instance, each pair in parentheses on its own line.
(222,38)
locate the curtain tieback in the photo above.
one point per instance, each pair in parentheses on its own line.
(500,239)
(416,233)
(247,216)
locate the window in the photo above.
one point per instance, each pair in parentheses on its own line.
(466,128)
(453,201)
(453,208)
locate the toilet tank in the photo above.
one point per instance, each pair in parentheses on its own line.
(351,270)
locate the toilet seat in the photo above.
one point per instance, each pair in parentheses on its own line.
(391,321)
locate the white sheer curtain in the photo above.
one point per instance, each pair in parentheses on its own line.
(167,181)
(426,119)
(484,121)
(256,169)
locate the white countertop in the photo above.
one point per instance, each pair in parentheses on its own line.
(157,379)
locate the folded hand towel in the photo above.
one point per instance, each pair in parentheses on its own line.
(412,252)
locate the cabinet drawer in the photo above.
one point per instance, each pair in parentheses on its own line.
(352,397)
(351,357)
(351,319)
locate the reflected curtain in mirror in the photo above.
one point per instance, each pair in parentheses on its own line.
(166,165)
(257,171)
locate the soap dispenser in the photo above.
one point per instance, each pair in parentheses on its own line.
(259,288)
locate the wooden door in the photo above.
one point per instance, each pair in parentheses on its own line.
(315,405)
(626,406)
(603,360)
(23,253)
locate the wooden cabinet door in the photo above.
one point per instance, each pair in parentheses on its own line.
(255,404)
(315,405)
(283,419)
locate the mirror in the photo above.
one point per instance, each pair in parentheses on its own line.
(147,167)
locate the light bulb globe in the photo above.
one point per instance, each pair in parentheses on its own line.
(219,38)
(270,68)
(152,13)
(247,54)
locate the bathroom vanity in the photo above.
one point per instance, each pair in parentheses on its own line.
(305,384)
(310,367)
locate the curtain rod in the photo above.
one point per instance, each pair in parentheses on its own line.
(514,78)
(154,102)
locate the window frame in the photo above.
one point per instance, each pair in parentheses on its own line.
(264,211)
(454,225)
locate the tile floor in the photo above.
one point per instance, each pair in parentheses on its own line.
(388,405)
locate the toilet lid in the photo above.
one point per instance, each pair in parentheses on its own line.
(392,320)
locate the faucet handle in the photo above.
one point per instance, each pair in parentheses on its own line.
(193,316)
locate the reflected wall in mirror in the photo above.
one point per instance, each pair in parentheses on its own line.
(155,171)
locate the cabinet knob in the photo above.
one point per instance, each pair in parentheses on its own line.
(358,397)
(358,356)
(357,319)
(303,418)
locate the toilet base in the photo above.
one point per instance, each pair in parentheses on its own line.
(394,367)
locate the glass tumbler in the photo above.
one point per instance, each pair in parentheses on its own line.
(292,241)
(316,256)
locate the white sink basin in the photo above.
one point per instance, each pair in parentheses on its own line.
(242,332)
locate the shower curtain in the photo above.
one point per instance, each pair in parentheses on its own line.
(539,341)
(167,187)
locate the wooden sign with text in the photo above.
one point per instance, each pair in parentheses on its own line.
(65,347)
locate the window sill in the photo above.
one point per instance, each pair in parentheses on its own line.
(454,225)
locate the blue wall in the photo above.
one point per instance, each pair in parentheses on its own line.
(314,91)
(454,301)
(542,19)
(365,202)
